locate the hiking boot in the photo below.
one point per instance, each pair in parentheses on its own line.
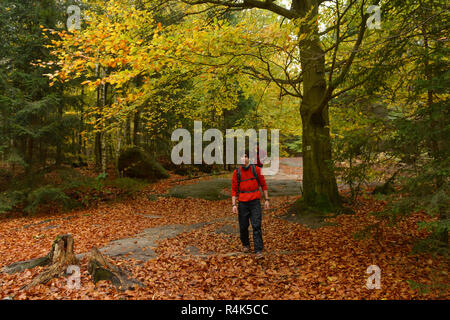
(246,249)
(258,255)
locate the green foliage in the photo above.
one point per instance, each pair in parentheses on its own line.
(5,179)
(423,288)
(66,187)
(135,163)
(129,185)
(32,112)
(428,190)
(436,243)
(355,150)
(11,199)
(16,159)
(208,189)
(295,145)
(47,195)
(72,179)
(100,180)
(152,197)
(185,170)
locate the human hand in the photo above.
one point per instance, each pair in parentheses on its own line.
(235,209)
(266,204)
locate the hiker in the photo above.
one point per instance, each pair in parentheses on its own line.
(247,179)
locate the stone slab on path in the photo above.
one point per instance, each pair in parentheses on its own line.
(142,245)
(228,229)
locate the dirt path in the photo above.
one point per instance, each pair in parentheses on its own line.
(142,246)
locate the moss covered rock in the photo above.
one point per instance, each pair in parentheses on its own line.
(135,163)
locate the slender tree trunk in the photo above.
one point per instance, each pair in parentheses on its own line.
(43,154)
(80,150)
(98,137)
(128,131)
(136,127)
(30,147)
(61,139)
(103,133)
(103,148)
(98,150)
(119,147)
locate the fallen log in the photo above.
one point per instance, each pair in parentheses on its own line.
(100,269)
(29,264)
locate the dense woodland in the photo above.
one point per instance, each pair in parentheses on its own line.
(87,110)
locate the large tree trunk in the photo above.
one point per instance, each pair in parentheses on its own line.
(319,182)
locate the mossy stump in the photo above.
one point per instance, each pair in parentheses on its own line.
(100,269)
(59,258)
(62,255)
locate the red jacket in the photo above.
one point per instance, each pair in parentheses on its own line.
(248,185)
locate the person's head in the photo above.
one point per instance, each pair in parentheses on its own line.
(245,158)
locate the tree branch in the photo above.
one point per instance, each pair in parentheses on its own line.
(249,4)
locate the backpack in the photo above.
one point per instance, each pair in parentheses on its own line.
(255,176)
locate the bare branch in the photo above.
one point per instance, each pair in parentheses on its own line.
(356,46)
(249,4)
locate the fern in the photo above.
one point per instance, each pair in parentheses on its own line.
(45,195)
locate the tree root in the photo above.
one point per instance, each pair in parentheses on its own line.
(100,269)
(24,265)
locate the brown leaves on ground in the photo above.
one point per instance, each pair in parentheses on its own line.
(299,263)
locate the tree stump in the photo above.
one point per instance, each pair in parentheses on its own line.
(100,269)
(61,256)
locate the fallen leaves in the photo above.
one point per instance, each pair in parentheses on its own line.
(299,263)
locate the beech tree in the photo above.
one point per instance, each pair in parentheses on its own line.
(320,50)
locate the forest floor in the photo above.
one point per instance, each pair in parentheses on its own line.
(188,248)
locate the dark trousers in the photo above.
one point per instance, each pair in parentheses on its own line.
(251,210)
